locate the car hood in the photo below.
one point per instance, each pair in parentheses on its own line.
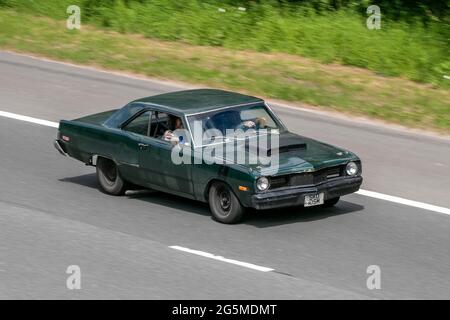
(298,154)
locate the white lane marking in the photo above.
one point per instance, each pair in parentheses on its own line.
(219,258)
(29,119)
(362,192)
(406,202)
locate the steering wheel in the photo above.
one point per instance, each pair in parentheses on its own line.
(164,126)
(160,125)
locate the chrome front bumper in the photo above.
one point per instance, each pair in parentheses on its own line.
(296,196)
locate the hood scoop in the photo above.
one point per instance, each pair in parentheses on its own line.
(288,142)
(288,148)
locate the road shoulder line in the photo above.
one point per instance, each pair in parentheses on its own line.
(29,119)
(410,203)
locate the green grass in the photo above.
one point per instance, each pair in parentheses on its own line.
(410,50)
(272,75)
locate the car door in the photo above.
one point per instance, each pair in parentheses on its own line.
(156,160)
(129,147)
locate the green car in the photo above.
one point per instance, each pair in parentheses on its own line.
(215,146)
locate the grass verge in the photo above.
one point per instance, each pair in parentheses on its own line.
(272,75)
(408,47)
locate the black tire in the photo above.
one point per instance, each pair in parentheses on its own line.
(225,206)
(331,202)
(109,177)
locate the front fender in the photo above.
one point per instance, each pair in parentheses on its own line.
(233,175)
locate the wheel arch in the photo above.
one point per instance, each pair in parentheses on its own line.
(94,159)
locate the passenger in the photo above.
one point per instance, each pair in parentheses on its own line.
(259,123)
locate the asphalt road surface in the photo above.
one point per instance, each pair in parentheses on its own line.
(52,214)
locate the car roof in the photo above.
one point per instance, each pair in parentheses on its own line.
(198,100)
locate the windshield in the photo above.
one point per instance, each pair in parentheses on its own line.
(217,125)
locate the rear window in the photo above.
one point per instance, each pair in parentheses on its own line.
(123,115)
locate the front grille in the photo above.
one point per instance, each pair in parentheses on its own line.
(307,178)
(278,182)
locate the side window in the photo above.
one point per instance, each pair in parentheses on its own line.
(140,124)
(164,126)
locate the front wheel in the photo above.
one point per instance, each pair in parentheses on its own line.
(225,206)
(109,177)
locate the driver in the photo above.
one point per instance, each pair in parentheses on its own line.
(175,123)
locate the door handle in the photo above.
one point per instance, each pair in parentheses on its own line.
(142,146)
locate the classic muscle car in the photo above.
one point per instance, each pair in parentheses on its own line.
(134,146)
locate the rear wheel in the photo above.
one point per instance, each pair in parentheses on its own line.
(331,202)
(225,206)
(109,177)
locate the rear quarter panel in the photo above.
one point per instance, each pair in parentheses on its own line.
(89,139)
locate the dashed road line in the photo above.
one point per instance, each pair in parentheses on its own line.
(220,258)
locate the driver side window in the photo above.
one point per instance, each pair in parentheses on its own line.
(154,124)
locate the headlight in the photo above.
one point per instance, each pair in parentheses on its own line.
(262,184)
(351,169)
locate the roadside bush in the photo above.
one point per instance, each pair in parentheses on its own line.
(413,42)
